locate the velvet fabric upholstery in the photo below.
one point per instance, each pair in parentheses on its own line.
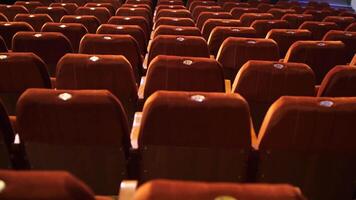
(237,12)
(308,142)
(35,20)
(132,20)
(192,46)
(110,72)
(7,137)
(9,29)
(84,132)
(178,128)
(174,22)
(210,24)
(219,34)
(108,6)
(264,7)
(204,16)
(228,6)
(286,37)
(263,82)
(170,2)
(40,43)
(3,18)
(56,13)
(176,13)
(89,21)
(143,12)
(102,13)
(248,18)
(199,9)
(116,4)
(295,20)
(133,30)
(176,30)
(318,15)
(342,22)
(175,190)
(169,7)
(184,74)
(194,4)
(235,51)
(73,31)
(278,13)
(70,7)
(43,185)
(10,11)
(29,5)
(321,56)
(319,29)
(339,82)
(351,27)
(20,71)
(111,44)
(262,27)
(348,38)
(78,2)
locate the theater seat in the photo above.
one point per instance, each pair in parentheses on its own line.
(263,26)
(204,16)
(263,82)
(295,20)
(44,185)
(321,56)
(9,29)
(176,30)
(173,190)
(228,6)
(20,71)
(342,22)
(70,7)
(35,20)
(351,27)
(237,12)
(84,132)
(56,13)
(41,44)
(308,142)
(177,73)
(339,82)
(127,12)
(7,137)
(174,22)
(205,130)
(235,51)
(89,21)
(175,13)
(110,72)
(10,11)
(133,20)
(108,6)
(278,13)
(199,9)
(102,13)
(348,38)
(248,18)
(3,18)
(29,5)
(319,29)
(210,24)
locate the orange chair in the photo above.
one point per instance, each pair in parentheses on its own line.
(204,16)
(56,13)
(262,27)
(248,18)
(174,22)
(228,6)
(127,12)
(210,24)
(199,9)
(342,22)
(35,20)
(176,30)
(348,38)
(10,11)
(133,20)
(70,7)
(175,13)
(319,29)
(237,12)
(108,6)
(9,29)
(89,21)
(295,20)
(102,13)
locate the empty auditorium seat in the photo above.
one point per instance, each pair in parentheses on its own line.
(237,12)
(308,142)
(111,72)
(56,13)
(73,31)
(235,51)
(264,7)
(147,2)
(102,13)
(133,30)
(318,15)
(199,9)
(278,13)
(170,189)
(168,7)
(58,185)
(194,4)
(20,71)
(351,27)
(9,29)
(342,22)
(348,38)
(185,127)
(133,20)
(78,2)
(204,16)
(84,132)
(295,20)
(49,46)
(3,18)
(7,137)
(111,44)
(70,7)
(210,24)
(219,34)
(176,30)
(178,73)
(29,5)
(116,4)
(108,6)
(35,20)
(262,27)
(286,37)
(263,82)
(169,2)
(353,61)
(248,18)
(228,6)
(192,46)
(176,13)
(174,22)
(339,82)
(127,12)
(10,11)
(89,21)
(321,56)
(319,29)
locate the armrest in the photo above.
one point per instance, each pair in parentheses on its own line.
(127,189)
(227,86)
(135,130)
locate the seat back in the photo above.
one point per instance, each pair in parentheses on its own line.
(56,13)
(295,20)
(237,12)
(262,27)
(89,21)
(84,132)
(319,29)
(102,13)
(70,7)
(342,22)
(248,18)
(204,16)
(132,20)
(176,30)
(9,29)
(35,20)
(348,38)
(10,11)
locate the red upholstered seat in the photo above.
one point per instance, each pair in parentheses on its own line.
(3,18)
(133,20)
(29,5)
(9,29)
(342,22)
(168,7)
(143,12)
(70,7)
(319,29)
(295,20)
(199,9)
(228,6)
(7,137)
(248,18)
(210,24)
(56,13)
(262,27)
(175,13)
(102,13)
(351,27)
(278,13)
(205,16)
(108,6)
(176,30)
(115,3)
(191,6)
(318,15)
(174,22)
(89,21)
(10,11)
(3,47)
(348,38)
(35,20)
(237,12)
